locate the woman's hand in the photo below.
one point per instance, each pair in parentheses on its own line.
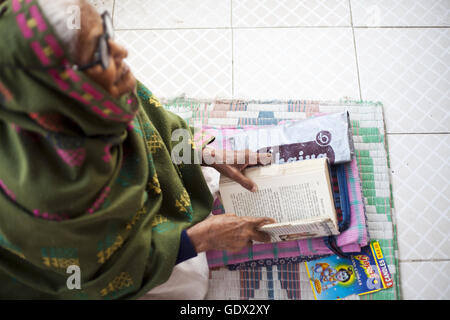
(231,163)
(227,232)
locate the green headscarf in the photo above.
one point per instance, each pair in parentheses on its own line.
(85,179)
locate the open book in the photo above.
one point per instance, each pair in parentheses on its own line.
(297,195)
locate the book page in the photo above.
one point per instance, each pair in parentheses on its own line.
(298,197)
(292,231)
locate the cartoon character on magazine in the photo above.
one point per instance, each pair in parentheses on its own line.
(330,277)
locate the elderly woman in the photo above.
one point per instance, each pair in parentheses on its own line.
(86,174)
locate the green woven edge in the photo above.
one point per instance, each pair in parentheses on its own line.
(394,292)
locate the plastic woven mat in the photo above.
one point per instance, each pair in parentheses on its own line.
(290,280)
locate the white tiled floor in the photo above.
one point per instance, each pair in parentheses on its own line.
(408,70)
(294,62)
(397,52)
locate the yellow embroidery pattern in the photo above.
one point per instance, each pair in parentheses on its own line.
(192,143)
(104,255)
(154,184)
(31,23)
(155,102)
(62,263)
(158,220)
(136,218)
(154,143)
(59,257)
(123,280)
(184,204)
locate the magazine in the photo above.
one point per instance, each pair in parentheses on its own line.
(317,137)
(334,278)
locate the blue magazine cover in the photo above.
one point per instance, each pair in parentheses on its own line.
(335,278)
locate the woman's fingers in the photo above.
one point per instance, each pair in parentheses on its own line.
(261,236)
(228,232)
(258,223)
(232,163)
(236,175)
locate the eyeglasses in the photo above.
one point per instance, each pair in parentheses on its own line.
(102,54)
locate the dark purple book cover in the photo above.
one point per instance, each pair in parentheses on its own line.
(319,148)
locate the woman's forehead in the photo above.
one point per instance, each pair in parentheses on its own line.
(91,22)
(91,28)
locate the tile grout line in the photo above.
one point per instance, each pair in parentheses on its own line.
(356,52)
(232,49)
(112,13)
(423,260)
(282,27)
(234,28)
(402,27)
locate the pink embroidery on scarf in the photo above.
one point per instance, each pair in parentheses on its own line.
(50,216)
(92,91)
(55,75)
(72,74)
(48,121)
(22,22)
(8,192)
(98,111)
(53,44)
(99,200)
(111,106)
(40,53)
(107,155)
(5,92)
(34,11)
(73,157)
(16,5)
(16,127)
(75,95)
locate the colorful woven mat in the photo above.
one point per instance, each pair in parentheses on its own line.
(290,280)
(350,240)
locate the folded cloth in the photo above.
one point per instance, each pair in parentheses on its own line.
(351,240)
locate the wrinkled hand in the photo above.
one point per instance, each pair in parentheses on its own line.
(231,163)
(227,232)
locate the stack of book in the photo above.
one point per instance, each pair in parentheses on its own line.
(307,191)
